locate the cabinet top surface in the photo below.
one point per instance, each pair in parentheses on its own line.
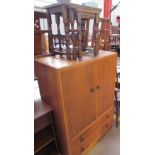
(60,63)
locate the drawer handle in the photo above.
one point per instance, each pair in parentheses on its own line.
(107,125)
(98,87)
(107,116)
(92,90)
(82,149)
(82,139)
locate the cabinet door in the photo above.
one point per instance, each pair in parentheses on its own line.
(79,99)
(105,72)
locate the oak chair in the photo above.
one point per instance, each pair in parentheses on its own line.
(40,33)
(104,38)
(115,38)
(69,36)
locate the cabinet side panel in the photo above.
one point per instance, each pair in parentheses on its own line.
(50,93)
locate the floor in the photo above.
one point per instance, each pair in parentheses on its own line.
(109,144)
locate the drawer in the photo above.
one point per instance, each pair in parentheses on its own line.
(102,130)
(100,121)
(106,115)
(84,147)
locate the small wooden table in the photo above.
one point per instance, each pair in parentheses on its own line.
(44,133)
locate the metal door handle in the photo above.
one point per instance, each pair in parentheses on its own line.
(82,149)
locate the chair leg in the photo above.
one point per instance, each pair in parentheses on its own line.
(117,112)
(117,109)
(116,95)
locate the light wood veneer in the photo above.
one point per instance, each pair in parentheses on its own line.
(82,95)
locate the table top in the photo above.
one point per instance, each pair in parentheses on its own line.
(74,6)
(41,109)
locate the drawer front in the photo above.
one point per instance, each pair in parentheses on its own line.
(102,130)
(105,116)
(99,122)
(84,147)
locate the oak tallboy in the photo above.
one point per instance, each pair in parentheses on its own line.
(82,95)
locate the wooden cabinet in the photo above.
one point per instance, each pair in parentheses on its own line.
(82,96)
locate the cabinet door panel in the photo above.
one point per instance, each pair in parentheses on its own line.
(79,101)
(105,72)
